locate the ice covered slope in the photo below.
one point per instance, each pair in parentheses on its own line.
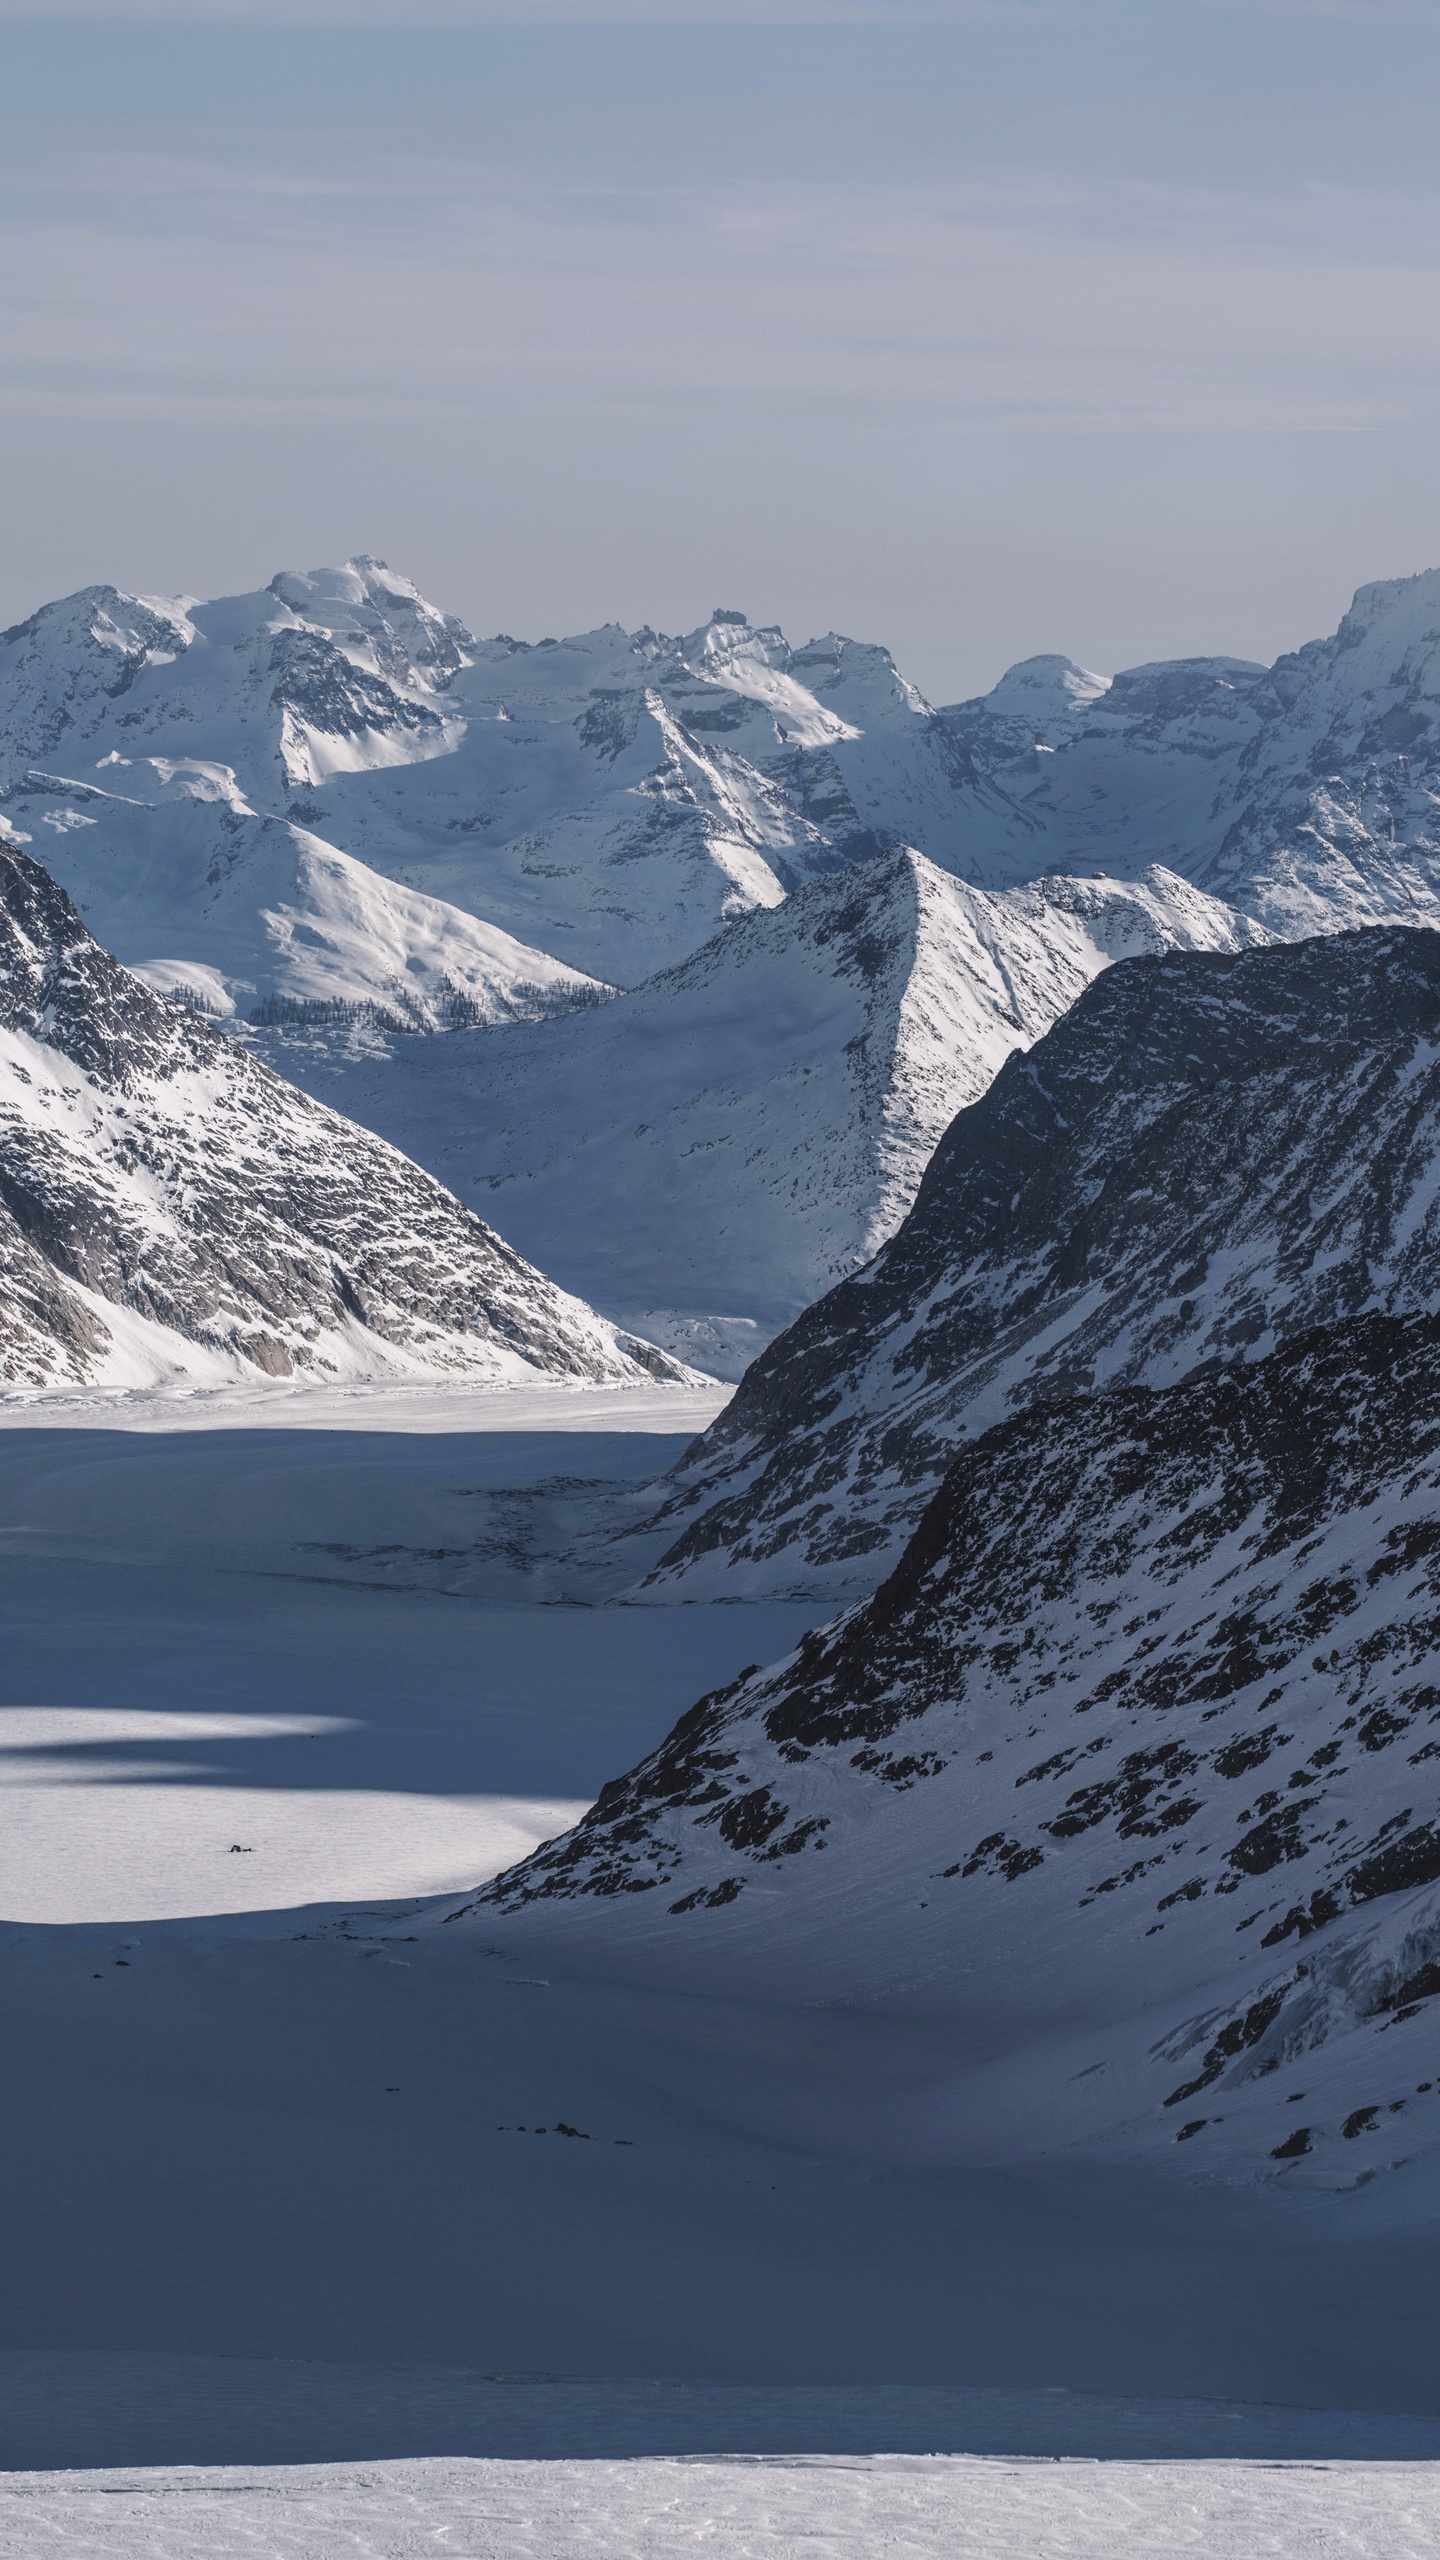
(158,755)
(250,914)
(169,1207)
(1307,793)
(706,1155)
(1125,1779)
(1207,1155)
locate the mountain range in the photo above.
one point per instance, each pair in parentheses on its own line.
(1055,1078)
(612,798)
(329,814)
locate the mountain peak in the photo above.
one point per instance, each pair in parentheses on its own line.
(1384,597)
(1044,687)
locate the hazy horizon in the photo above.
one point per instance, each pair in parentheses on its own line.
(979,332)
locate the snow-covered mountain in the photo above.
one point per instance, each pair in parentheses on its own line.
(1307,793)
(170,1208)
(189,736)
(329,806)
(610,800)
(1121,1788)
(592,796)
(254,915)
(706,1155)
(1207,1155)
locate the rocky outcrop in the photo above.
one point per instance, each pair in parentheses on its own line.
(1127,1772)
(1207,1156)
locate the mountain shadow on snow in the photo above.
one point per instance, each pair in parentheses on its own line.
(1127,1774)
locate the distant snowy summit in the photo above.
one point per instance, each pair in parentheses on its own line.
(162,756)
(170,1210)
(601,804)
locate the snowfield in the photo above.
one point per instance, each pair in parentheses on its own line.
(742,2508)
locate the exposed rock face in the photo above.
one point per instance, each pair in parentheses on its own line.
(169,1206)
(706,1154)
(1128,1770)
(1208,1155)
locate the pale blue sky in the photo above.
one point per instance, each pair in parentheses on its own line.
(980,330)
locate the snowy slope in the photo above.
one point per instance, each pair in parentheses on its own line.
(1307,793)
(186,737)
(1127,1772)
(1208,1154)
(254,914)
(169,1207)
(706,1155)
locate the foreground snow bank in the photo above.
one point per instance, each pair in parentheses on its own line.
(738,2509)
(404,1405)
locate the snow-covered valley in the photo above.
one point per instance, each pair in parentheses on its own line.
(265,2118)
(278,2205)
(705,1156)
(494,1971)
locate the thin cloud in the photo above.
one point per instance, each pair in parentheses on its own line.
(1020,303)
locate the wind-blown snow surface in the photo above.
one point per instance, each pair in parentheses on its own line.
(1206,1156)
(738,2509)
(706,1155)
(170,1208)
